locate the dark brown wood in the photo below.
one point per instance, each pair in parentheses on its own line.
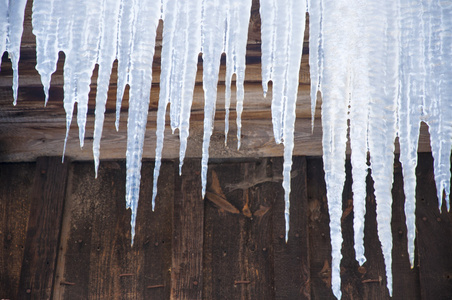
(406,279)
(188,224)
(100,261)
(44,225)
(434,236)
(319,233)
(291,259)
(15,189)
(238,250)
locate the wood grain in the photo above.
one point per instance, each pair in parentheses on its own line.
(15,190)
(43,233)
(188,221)
(434,235)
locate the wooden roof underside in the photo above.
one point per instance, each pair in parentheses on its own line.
(30,130)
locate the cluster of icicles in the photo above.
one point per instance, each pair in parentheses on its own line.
(382,66)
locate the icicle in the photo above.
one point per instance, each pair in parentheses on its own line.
(146,17)
(282,45)
(315,52)
(105,58)
(437,24)
(181,47)
(359,119)
(11,27)
(124,49)
(410,106)
(212,37)
(238,18)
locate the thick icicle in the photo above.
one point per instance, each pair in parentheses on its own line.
(410,106)
(11,27)
(180,51)
(438,45)
(383,52)
(359,119)
(146,17)
(282,45)
(105,58)
(335,95)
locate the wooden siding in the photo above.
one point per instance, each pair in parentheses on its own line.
(229,246)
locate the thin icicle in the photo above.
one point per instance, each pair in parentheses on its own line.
(213,36)
(11,27)
(315,52)
(105,58)
(238,18)
(126,34)
(282,45)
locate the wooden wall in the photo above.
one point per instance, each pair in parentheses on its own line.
(66,235)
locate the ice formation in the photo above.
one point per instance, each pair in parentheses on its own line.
(381,68)
(11,20)
(282,46)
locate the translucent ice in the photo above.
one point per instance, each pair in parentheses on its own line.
(282,45)
(11,27)
(180,51)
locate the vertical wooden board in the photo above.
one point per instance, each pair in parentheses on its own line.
(153,241)
(15,188)
(100,262)
(238,230)
(434,236)
(319,232)
(44,225)
(188,220)
(291,259)
(406,279)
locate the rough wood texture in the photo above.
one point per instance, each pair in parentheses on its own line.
(291,259)
(15,188)
(229,246)
(238,249)
(188,220)
(434,236)
(100,262)
(44,225)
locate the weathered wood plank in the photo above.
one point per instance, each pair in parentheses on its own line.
(44,225)
(291,259)
(238,248)
(434,236)
(15,189)
(319,233)
(100,262)
(188,220)
(27,141)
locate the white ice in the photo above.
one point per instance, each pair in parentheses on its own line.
(282,45)
(180,50)
(11,27)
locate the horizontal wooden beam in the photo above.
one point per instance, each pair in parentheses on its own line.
(27,141)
